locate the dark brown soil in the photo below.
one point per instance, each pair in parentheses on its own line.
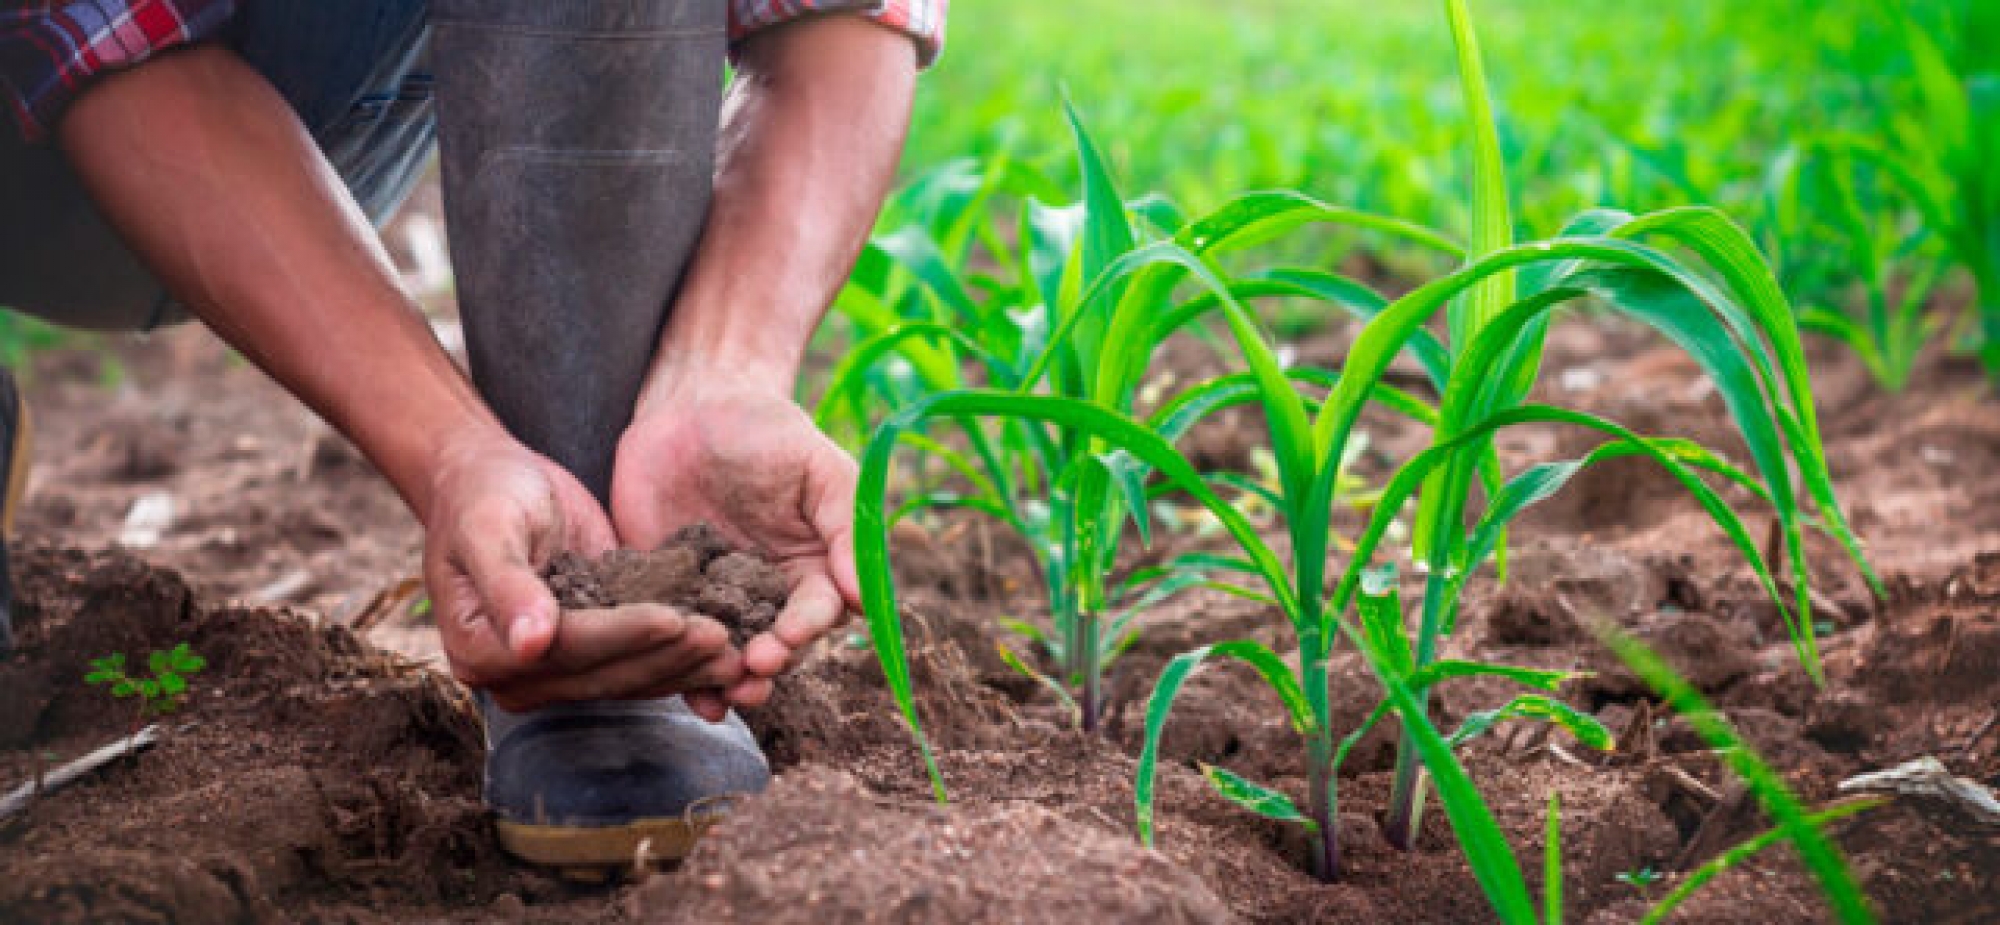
(695,570)
(315,777)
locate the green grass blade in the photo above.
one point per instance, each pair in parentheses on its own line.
(1820,857)
(1717,865)
(1552,863)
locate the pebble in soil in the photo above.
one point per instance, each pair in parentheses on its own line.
(695,570)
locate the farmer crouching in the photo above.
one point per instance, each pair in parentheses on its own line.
(641,257)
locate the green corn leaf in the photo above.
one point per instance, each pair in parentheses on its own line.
(1025,629)
(1128,475)
(1244,484)
(1011,660)
(1406,479)
(1820,857)
(1479,837)
(1700,876)
(912,341)
(1552,863)
(1354,738)
(1723,245)
(1381,609)
(1158,706)
(1256,798)
(172,684)
(1538,678)
(1159,211)
(1492,216)
(1235,590)
(148,688)
(990,488)
(1364,303)
(124,687)
(1052,234)
(1260,216)
(1584,727)
(912,249)
(871,521)
(1106,233)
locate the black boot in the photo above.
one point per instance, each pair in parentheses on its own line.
(13,478)
(578,145)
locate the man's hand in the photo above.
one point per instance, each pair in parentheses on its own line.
(746,459)
(498,513)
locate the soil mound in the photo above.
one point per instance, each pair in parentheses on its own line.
(305,765)
(818,847)
(695,570)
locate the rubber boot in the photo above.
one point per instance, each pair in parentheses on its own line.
(13,480)
(577,144)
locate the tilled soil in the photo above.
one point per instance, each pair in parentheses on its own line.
(313,776)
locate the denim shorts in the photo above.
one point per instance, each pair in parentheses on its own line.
(355,73)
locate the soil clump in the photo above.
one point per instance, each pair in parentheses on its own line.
(695,570)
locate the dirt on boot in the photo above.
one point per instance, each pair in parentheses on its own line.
(695,570)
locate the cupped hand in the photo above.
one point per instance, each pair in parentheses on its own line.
(498,511)
(748,461)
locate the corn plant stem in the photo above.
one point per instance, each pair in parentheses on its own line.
(1323,802)
(1406,794)
(1089,658)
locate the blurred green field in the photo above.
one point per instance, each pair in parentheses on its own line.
(1644,103)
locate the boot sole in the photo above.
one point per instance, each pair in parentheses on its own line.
(588,851)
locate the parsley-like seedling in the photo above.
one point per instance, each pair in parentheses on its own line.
(163,690)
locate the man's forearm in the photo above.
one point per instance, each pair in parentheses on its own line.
(811,133)
(211,179)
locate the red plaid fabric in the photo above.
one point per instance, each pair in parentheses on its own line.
(51,49)
(922,19)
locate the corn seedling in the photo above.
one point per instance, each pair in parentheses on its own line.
(1093,296)
(920,323)
(1891,331)
(1712,295)
(1943,151)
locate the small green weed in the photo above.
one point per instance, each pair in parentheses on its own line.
(1641,879)
(162,690)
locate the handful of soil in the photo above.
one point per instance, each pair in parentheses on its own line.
(695,570)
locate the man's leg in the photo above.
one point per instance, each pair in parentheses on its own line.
(578,144)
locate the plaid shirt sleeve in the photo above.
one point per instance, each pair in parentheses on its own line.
(49,49)
(921,20)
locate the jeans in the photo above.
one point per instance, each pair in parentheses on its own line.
(355,72)
(579,149)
